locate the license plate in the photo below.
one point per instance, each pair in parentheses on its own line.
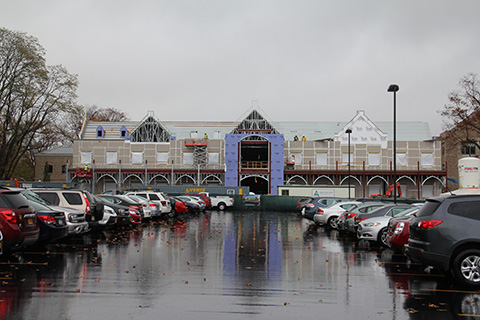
(29,221)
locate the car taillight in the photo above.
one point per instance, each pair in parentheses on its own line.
(320,211)
(357,219)
(47,219)
(428,224)
(351,215)
(399,228)
(87,202)
(164,203)
(153,205)
(10,216)
(310,205)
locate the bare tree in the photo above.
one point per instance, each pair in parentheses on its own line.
(33,98)
(462,113)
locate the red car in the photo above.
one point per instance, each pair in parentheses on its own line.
(178,205)
(398,232)
(18,221)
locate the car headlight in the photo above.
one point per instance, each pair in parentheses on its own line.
(372,224)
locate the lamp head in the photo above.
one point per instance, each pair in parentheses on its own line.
(348,131)
(393,88)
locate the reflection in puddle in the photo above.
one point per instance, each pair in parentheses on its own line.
(261,264)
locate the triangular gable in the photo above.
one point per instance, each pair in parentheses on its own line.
(364,131)
(150,130)
(255,123)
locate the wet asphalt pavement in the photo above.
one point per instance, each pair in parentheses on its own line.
(225,265)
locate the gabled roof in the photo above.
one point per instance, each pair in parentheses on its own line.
(255,122)
(150,130)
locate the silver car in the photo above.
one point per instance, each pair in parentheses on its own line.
(375,229)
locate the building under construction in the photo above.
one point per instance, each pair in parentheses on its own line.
(258,153)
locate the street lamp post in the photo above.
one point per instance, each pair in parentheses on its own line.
(394,88)
(348,131)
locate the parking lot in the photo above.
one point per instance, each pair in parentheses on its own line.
(225,265)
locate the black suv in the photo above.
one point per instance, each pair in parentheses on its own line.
(445,233)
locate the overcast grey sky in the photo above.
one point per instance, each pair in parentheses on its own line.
(302,60)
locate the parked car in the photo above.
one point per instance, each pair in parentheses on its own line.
(346,221)
(52,223)
(302,203)
(375,229)
(311,208)
(205,197)
(123,215)
(147,205)
(192,205)
(390,210)
(398,232)
(77,199)
(328,216)
(18,222)
(178,206)
(75,219)
(445,234)
(135,209)
(159,198)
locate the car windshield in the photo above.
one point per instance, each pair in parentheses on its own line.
(32,196)
(137,198)
(38,206)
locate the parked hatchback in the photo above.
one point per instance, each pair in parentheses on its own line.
(18,222)
(445,234)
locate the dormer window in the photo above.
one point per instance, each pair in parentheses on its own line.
(100,132)
(123,132)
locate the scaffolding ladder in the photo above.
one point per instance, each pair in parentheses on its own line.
(199,151)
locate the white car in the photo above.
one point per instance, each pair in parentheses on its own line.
(147,211)
(328,216)
(158,198)
(375,229)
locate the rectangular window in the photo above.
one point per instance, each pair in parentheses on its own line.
(345,158)
(85,157)
(401,159)
(285,192)
(137,157)
(468,149)
(162,157)
(322,159)
(427,159)
(64,169)
(188,158)
(112,158)
(213,158)
(298,158)
(374,159)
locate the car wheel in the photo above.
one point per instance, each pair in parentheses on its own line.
(466,268)
(332,222)
(382,237)
(221,206)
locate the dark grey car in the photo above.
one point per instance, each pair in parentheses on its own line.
(446,234)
